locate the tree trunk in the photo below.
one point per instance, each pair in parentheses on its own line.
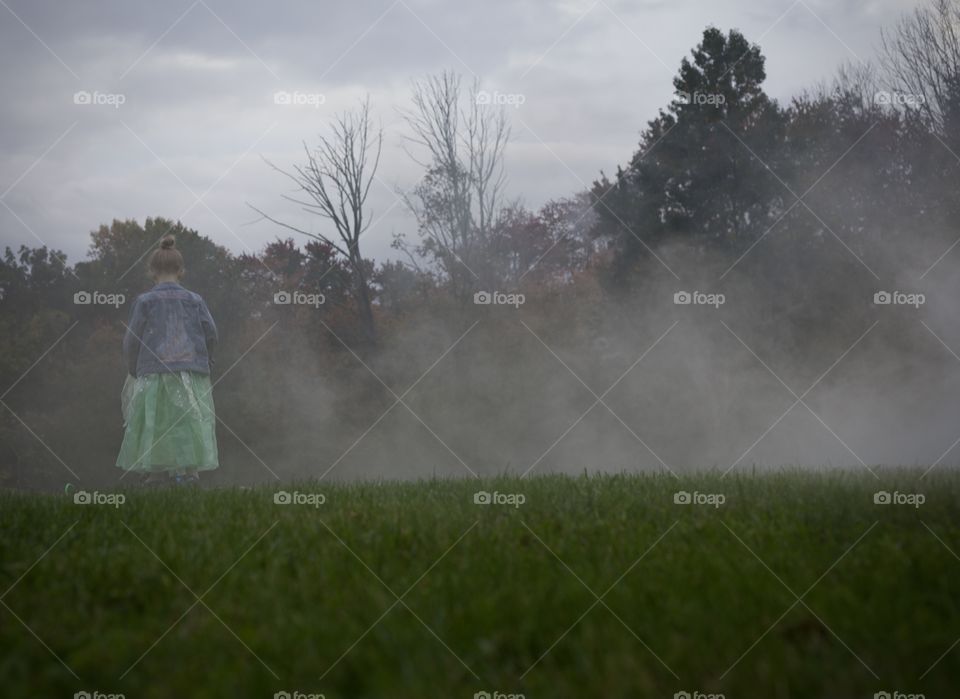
(365,307)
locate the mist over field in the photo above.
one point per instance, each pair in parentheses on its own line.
(688,388)
(764,282)
(503,389)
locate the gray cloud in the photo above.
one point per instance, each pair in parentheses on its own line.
(198,81)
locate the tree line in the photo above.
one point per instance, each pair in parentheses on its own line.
(810,205)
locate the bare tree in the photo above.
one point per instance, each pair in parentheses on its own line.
(459,203)
(856,81)
(334,184)
(921,58)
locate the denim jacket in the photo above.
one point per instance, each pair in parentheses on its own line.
(170,330)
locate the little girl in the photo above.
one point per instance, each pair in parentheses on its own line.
(167,398)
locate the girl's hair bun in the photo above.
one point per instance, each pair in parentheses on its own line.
(166,259)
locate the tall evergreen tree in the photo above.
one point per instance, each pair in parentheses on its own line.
(698,173)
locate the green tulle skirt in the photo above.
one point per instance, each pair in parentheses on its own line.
(169,423)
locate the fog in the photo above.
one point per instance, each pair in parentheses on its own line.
(562,384)
(783,292)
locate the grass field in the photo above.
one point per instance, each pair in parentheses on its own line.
(592,587)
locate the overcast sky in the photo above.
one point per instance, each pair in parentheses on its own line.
(197,82)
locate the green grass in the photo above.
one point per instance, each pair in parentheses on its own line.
(505,593)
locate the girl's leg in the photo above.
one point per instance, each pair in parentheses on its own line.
(155,478)
(187,476)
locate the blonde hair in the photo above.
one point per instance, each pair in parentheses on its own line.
(166,259)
